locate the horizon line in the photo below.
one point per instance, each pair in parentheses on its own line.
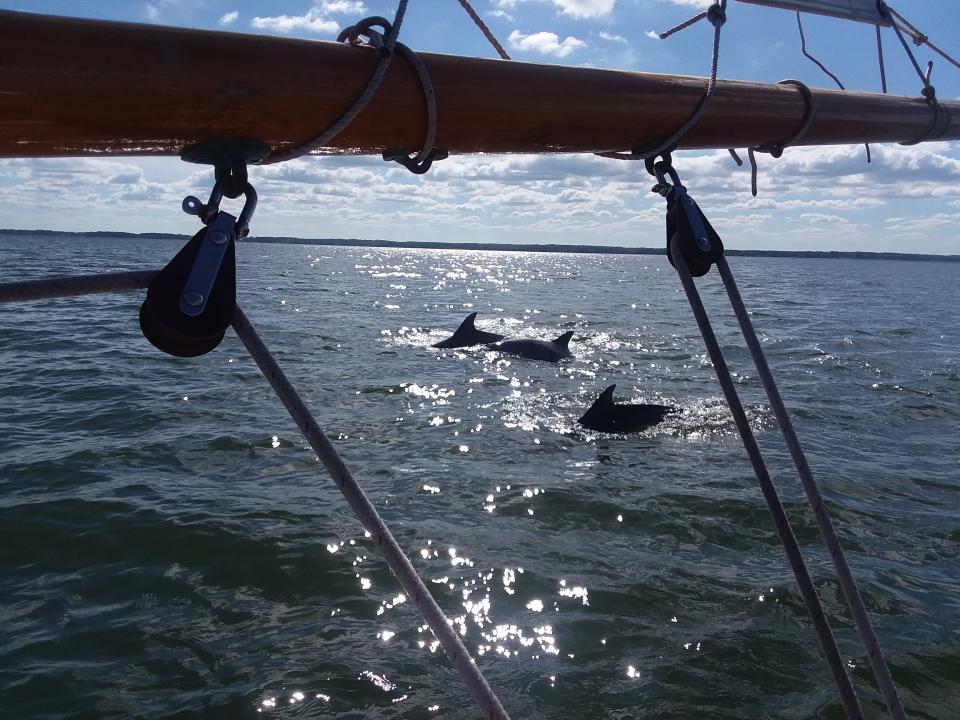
(498,247)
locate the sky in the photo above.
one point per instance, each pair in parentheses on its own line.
(824,198)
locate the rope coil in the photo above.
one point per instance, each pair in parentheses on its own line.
(421,162)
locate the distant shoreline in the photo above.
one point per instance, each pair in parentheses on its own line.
(506,247)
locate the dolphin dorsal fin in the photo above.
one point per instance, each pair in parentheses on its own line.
(467,325)
(606,397)
(564,339)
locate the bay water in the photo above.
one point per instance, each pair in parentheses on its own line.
(170,548)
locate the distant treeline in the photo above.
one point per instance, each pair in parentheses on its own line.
(509,247)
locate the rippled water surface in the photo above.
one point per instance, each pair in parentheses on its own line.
(169,548)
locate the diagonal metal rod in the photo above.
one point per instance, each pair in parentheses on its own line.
(848,696)
(849,586)
(399,564)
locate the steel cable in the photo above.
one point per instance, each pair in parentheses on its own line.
(847,583)
(828,643)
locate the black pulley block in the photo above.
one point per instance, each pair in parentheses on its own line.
(697,240)
(184,315)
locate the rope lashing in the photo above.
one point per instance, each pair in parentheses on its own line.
(776,149)
(384,45)
(715,13)
(491,38)
(718,16)
(694,258)
(421,162)
(940,117)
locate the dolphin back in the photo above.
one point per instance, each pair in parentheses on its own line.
(467,335)
(604,415)
(564,340)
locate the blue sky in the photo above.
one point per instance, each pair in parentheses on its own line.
(824,198)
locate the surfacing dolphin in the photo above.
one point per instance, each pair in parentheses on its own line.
(607,416)
(467,335)
(549,350)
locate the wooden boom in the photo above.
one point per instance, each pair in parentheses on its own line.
(88,87)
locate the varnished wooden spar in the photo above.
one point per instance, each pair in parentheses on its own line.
(84,87)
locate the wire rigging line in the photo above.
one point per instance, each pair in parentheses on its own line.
(848,585)
(803,49)
(399,563)
(919,38)
(717,15)
(73,285)
(394,556)
(491,38)
(883,71)
(380,71)
(828,643)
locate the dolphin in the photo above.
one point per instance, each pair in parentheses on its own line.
(606,416)
(467,335)
(549,350)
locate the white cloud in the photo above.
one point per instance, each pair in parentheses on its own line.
(228,18)
(310,22)
(315,20)
(573,8)
(811,198)
(545,43)
(604,35)
(342,6)
(652,34)
(690,3)
(500,14)
(152,12)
